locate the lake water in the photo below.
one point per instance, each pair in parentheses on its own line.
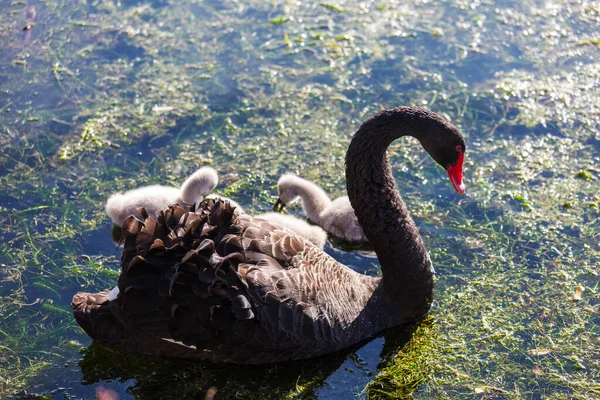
(98,97)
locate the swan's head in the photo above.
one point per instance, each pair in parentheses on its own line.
(287,187)
(446,145)
(198,185)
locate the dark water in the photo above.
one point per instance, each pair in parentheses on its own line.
(107,96)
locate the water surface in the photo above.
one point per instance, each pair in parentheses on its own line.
(99,97)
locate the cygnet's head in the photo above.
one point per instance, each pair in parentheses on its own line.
(198,185)
(287,186)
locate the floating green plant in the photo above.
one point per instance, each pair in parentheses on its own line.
(100,97)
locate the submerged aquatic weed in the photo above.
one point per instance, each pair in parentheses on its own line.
(113,95)
(410,366)
(584,175)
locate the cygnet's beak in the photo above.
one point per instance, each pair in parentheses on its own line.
(279,206)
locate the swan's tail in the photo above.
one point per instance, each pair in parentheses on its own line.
(103,320)
(99,317)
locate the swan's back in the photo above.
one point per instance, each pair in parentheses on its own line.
(313,233)
(234,203)
(223,286)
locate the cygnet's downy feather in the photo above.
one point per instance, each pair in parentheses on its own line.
(156,198)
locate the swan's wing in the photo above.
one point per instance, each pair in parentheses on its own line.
(284,274)
(175,284)
(231,201)
(233,288)
(305,298)
(295,305)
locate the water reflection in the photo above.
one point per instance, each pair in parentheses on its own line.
(340,375)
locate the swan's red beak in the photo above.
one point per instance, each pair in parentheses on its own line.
(455,174)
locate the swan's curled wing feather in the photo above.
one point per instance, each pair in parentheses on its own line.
(217,284)
(214,277)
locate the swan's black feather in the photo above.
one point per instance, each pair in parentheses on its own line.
(199,278)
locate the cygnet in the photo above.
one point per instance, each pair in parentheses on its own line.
(336,217)
(156,198)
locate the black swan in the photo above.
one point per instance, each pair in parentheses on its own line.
(336,217)
(219,285)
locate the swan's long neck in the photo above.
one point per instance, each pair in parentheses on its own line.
(314,199)
(407,271)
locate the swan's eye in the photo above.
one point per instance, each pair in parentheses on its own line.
(459,148)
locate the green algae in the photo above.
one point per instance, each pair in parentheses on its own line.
(409,367)
(107,96)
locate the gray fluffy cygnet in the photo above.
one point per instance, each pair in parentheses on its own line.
(156,198)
